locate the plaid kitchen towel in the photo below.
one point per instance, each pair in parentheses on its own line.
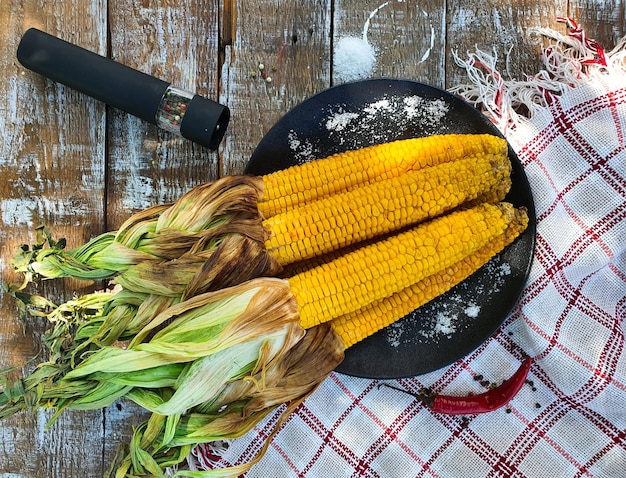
(570,420)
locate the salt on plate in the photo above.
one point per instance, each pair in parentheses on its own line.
(445,323)
(472,310)
(340,121)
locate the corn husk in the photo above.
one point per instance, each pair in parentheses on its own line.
(240,329)
(168,249)
(79,327)
(287,381)
(209,367)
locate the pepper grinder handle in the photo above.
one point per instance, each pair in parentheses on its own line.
(174,109)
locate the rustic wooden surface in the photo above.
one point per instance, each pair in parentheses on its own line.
(81,168)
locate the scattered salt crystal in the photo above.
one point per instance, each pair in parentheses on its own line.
(505,269)
(432,111)
(378,106)
(340,121)
(294,141)
(302,149)
(445,323)
(472,310)
(354,59)
(412,106)
(394,333)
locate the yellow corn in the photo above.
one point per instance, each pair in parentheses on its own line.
(310,181)
(358,325)
(296,267)
(385,267)
(365,212)
(494,195)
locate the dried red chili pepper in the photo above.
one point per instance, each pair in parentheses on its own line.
(481,403)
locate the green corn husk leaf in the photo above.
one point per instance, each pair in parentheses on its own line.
(113,258)
(223,334)
(287,380)
(75,326)
(40,387)
(90,396)
(111,329)
(200,381)
(114,360)
(27,254)
(216,320)
(102,395)
(197,319)
(123,315)
(164,376)
(126,464)
(142,460)
(140,225)
(151,307)
(85,323)
(200,217)
(54,263)
(81,309)
(171,422)
(149,399)
(200,326)
(163,278)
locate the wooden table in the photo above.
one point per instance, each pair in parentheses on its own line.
(81,168)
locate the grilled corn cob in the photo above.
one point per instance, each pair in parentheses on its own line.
(381,207)
(383,268)
(297,185)
(362,323)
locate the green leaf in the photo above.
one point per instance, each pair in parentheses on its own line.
(116,360)
(206,377)
(103,395)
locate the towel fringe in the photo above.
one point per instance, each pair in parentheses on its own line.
(205,456)
(569,61)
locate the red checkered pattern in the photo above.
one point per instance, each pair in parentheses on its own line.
(571,422)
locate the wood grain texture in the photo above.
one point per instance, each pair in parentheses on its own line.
(604,20)
(408,37)
(498,27)
(52,158)
(292,41)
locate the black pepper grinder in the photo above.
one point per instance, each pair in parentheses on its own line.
(151,99)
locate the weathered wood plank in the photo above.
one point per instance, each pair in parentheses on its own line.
(52,168)
(408,38)
(602,20)
(500,28)
(292,41)
(179,43)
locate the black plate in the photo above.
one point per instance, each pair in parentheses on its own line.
(359,114)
